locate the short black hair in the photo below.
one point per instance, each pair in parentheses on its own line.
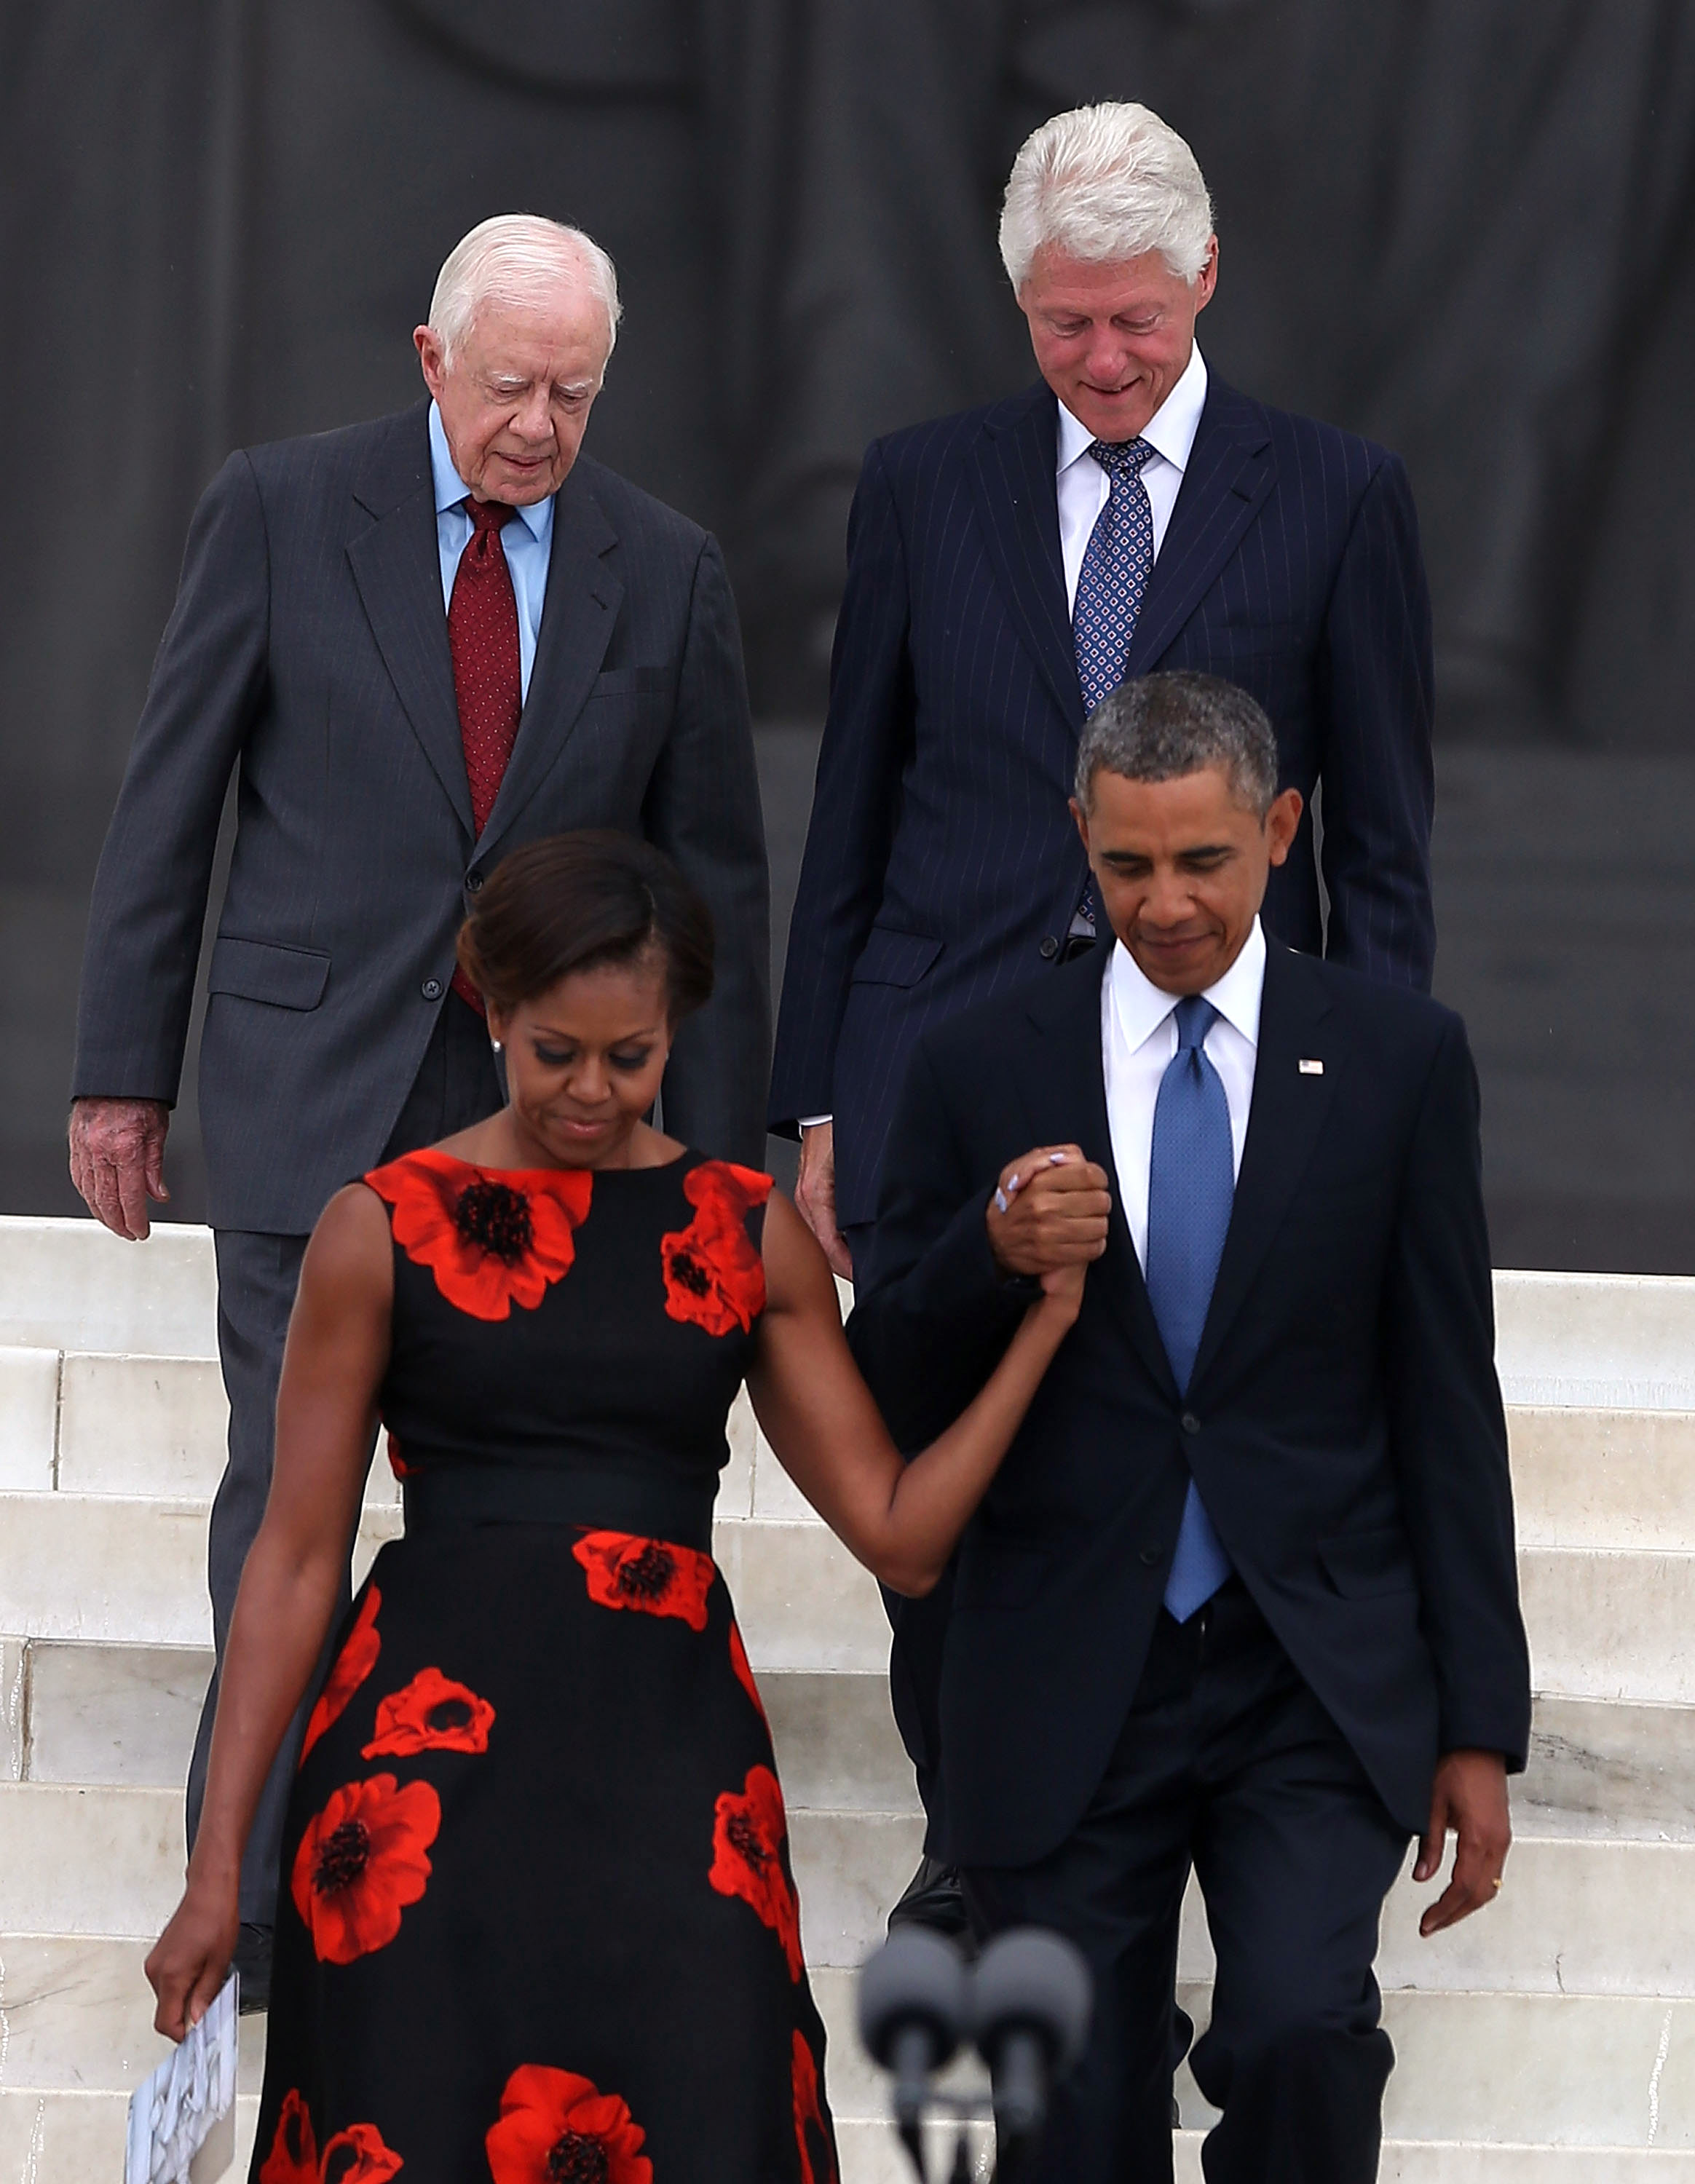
(1159,727)
(576,902)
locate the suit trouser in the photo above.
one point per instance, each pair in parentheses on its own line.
(258,1274)
(1227,1761)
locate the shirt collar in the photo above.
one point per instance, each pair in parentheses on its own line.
(1171,430)
(1141,1007)
(451,489)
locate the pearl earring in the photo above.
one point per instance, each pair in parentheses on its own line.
(495,1044)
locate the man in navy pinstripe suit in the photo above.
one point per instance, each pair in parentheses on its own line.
(1275,552)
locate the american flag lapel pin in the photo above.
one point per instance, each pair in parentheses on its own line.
(1311,1068)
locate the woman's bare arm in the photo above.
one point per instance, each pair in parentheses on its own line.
(337,1355)
(903,1520)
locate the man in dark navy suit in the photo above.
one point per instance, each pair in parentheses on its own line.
(1243,1598)
(1006,568)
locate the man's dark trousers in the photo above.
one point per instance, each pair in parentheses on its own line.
(258,1275)
(1228,1762)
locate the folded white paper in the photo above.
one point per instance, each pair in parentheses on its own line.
(177,2112)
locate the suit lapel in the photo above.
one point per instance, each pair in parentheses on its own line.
(1285,1119)
(583,596)
(397,567)
(1064,1087)
(1229,472)
(1013,478)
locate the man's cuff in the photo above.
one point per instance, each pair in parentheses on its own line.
(812,1121)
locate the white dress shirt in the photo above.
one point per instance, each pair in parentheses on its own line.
(1137,1039)
(528,545)
(1082,485)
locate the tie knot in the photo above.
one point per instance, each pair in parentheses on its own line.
(1122,459)
(1195,1017)
(487,515)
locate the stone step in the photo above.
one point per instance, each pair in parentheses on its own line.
(1583,1916)
(72,1286)
(1604,1626)
(97,1424)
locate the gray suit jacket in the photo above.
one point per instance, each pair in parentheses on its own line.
(309,647)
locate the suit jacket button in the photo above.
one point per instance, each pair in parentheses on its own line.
(1050,948)
(1190,1422)
(432,989)
(1150,1555)
(474,883)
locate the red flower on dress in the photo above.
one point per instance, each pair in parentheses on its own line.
(556,2128)
(293,2155)
(432,1713)
(714,1275)
(652,1576)
(744,1668)
(360,1862)
(491,1238)
(748,1834)
(354,1663)
(358,2156)
(396,1462)
(355,2156)
(808,2108)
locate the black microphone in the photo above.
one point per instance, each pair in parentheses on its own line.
(912,2011)
(1031,1999)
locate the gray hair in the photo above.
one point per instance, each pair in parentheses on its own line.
(1160,727)
(518,258)
(1104,184)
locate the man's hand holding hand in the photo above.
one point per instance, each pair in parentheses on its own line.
(1048,1211)
(117,1160)
(1469,1796)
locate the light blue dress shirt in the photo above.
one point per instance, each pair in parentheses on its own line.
(528,545)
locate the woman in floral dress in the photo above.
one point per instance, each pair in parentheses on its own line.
(537,1922)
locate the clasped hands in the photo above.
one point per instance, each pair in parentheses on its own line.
(1047,1219)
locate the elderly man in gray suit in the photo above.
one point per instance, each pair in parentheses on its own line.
(417,643)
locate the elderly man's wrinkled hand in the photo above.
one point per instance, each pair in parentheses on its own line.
(117,1160)
(1049,1211)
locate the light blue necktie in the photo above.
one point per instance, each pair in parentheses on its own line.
(1116,563)
(1191,1183)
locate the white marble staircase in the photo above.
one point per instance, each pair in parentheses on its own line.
(1550,2041)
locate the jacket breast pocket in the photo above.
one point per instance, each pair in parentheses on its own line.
(1365,1565)
(628,682)
(895,959)
(269,971)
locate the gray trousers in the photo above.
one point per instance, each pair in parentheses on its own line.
(258,1274)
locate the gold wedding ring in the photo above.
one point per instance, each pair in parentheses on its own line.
(1499,1881)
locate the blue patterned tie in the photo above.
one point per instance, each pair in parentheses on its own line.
(1191,1183)
(1116,563)
(1110,584)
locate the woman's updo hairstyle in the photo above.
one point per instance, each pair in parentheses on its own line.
(577,902)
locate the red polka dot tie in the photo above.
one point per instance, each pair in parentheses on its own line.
(482,637)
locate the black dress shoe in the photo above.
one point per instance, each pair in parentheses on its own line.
(934,1898)
(252,1966)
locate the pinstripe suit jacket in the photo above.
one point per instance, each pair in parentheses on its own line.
(309,649)
(942,864)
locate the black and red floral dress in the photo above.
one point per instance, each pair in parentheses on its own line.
(537,1923)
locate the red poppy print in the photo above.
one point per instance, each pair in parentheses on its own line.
(714,1275)
(652,1576)
(491,1239)
(293,2155)
(358,2156)
(361,1861)
(557,2128)
(748,1834)
(396,1462)
(432,1713)
(744,1668)
(354,1663)
(809,2111)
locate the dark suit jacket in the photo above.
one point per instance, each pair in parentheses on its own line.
(943,866)
(1343,1421)
(309,649)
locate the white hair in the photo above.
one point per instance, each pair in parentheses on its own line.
(518,258)
(1105,183)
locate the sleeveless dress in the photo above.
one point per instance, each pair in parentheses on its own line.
(537,1922)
